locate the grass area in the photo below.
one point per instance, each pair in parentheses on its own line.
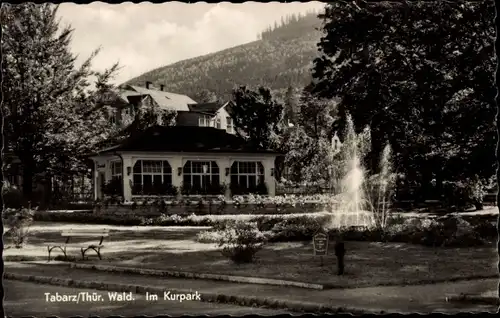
(175,248)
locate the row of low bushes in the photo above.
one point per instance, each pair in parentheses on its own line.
(162,220)
(250,199)
(445,232)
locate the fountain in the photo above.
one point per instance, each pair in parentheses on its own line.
(352,208)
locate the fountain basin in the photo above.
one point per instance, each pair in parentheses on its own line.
(357,219)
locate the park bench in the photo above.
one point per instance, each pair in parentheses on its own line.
(81,233)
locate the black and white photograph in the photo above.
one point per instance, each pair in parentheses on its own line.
(249,158)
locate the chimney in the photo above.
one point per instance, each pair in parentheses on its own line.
(148,84)
(162,87)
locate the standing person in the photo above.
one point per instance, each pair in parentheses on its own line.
(340,253)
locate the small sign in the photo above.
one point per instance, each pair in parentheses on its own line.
(101,166)
(320,242)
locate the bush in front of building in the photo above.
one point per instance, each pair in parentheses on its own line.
(160,189)
(209,189)
(259,189)
(113,188)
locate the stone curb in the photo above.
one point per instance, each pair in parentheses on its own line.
(234,279)
(294,306)
(464,298)
(182,274)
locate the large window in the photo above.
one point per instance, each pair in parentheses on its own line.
(247,177)
(201,177)
(204,121)
(114,186)
(116,170)
(152,177)
(230,125)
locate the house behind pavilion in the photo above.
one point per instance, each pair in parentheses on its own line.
(124,101)
(201,154)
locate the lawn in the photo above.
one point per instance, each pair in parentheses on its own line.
(175,248)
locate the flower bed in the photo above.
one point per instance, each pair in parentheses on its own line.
(249,204)
(162,220)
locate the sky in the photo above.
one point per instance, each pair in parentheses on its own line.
(144,36)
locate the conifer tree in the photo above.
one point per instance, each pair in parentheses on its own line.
(49,105)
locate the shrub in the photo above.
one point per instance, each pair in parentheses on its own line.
(487,230)
(265,224)
(299,228)
(113,187)
(259,189)
(210,236)
(209,189)
(241,241)
(459,232)
(362,234)
(12,197)
(461,194)
(18,221)
(395,220)
(178,220)
(446,232)
(156,189)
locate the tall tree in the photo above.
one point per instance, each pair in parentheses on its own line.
(257,116)
(420,81)
(147,114)
(308,145)
(318,116)
(46,99)
(206,96)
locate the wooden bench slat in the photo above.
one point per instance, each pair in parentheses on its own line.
(85,233)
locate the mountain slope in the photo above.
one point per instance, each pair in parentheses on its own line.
(281,58)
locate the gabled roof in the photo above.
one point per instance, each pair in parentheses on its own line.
(208,108)
(126,94)
(186,139)
(165,100)
(114,95)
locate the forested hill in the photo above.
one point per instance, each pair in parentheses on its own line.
(281,57)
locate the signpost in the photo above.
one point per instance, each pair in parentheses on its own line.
(320,243)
